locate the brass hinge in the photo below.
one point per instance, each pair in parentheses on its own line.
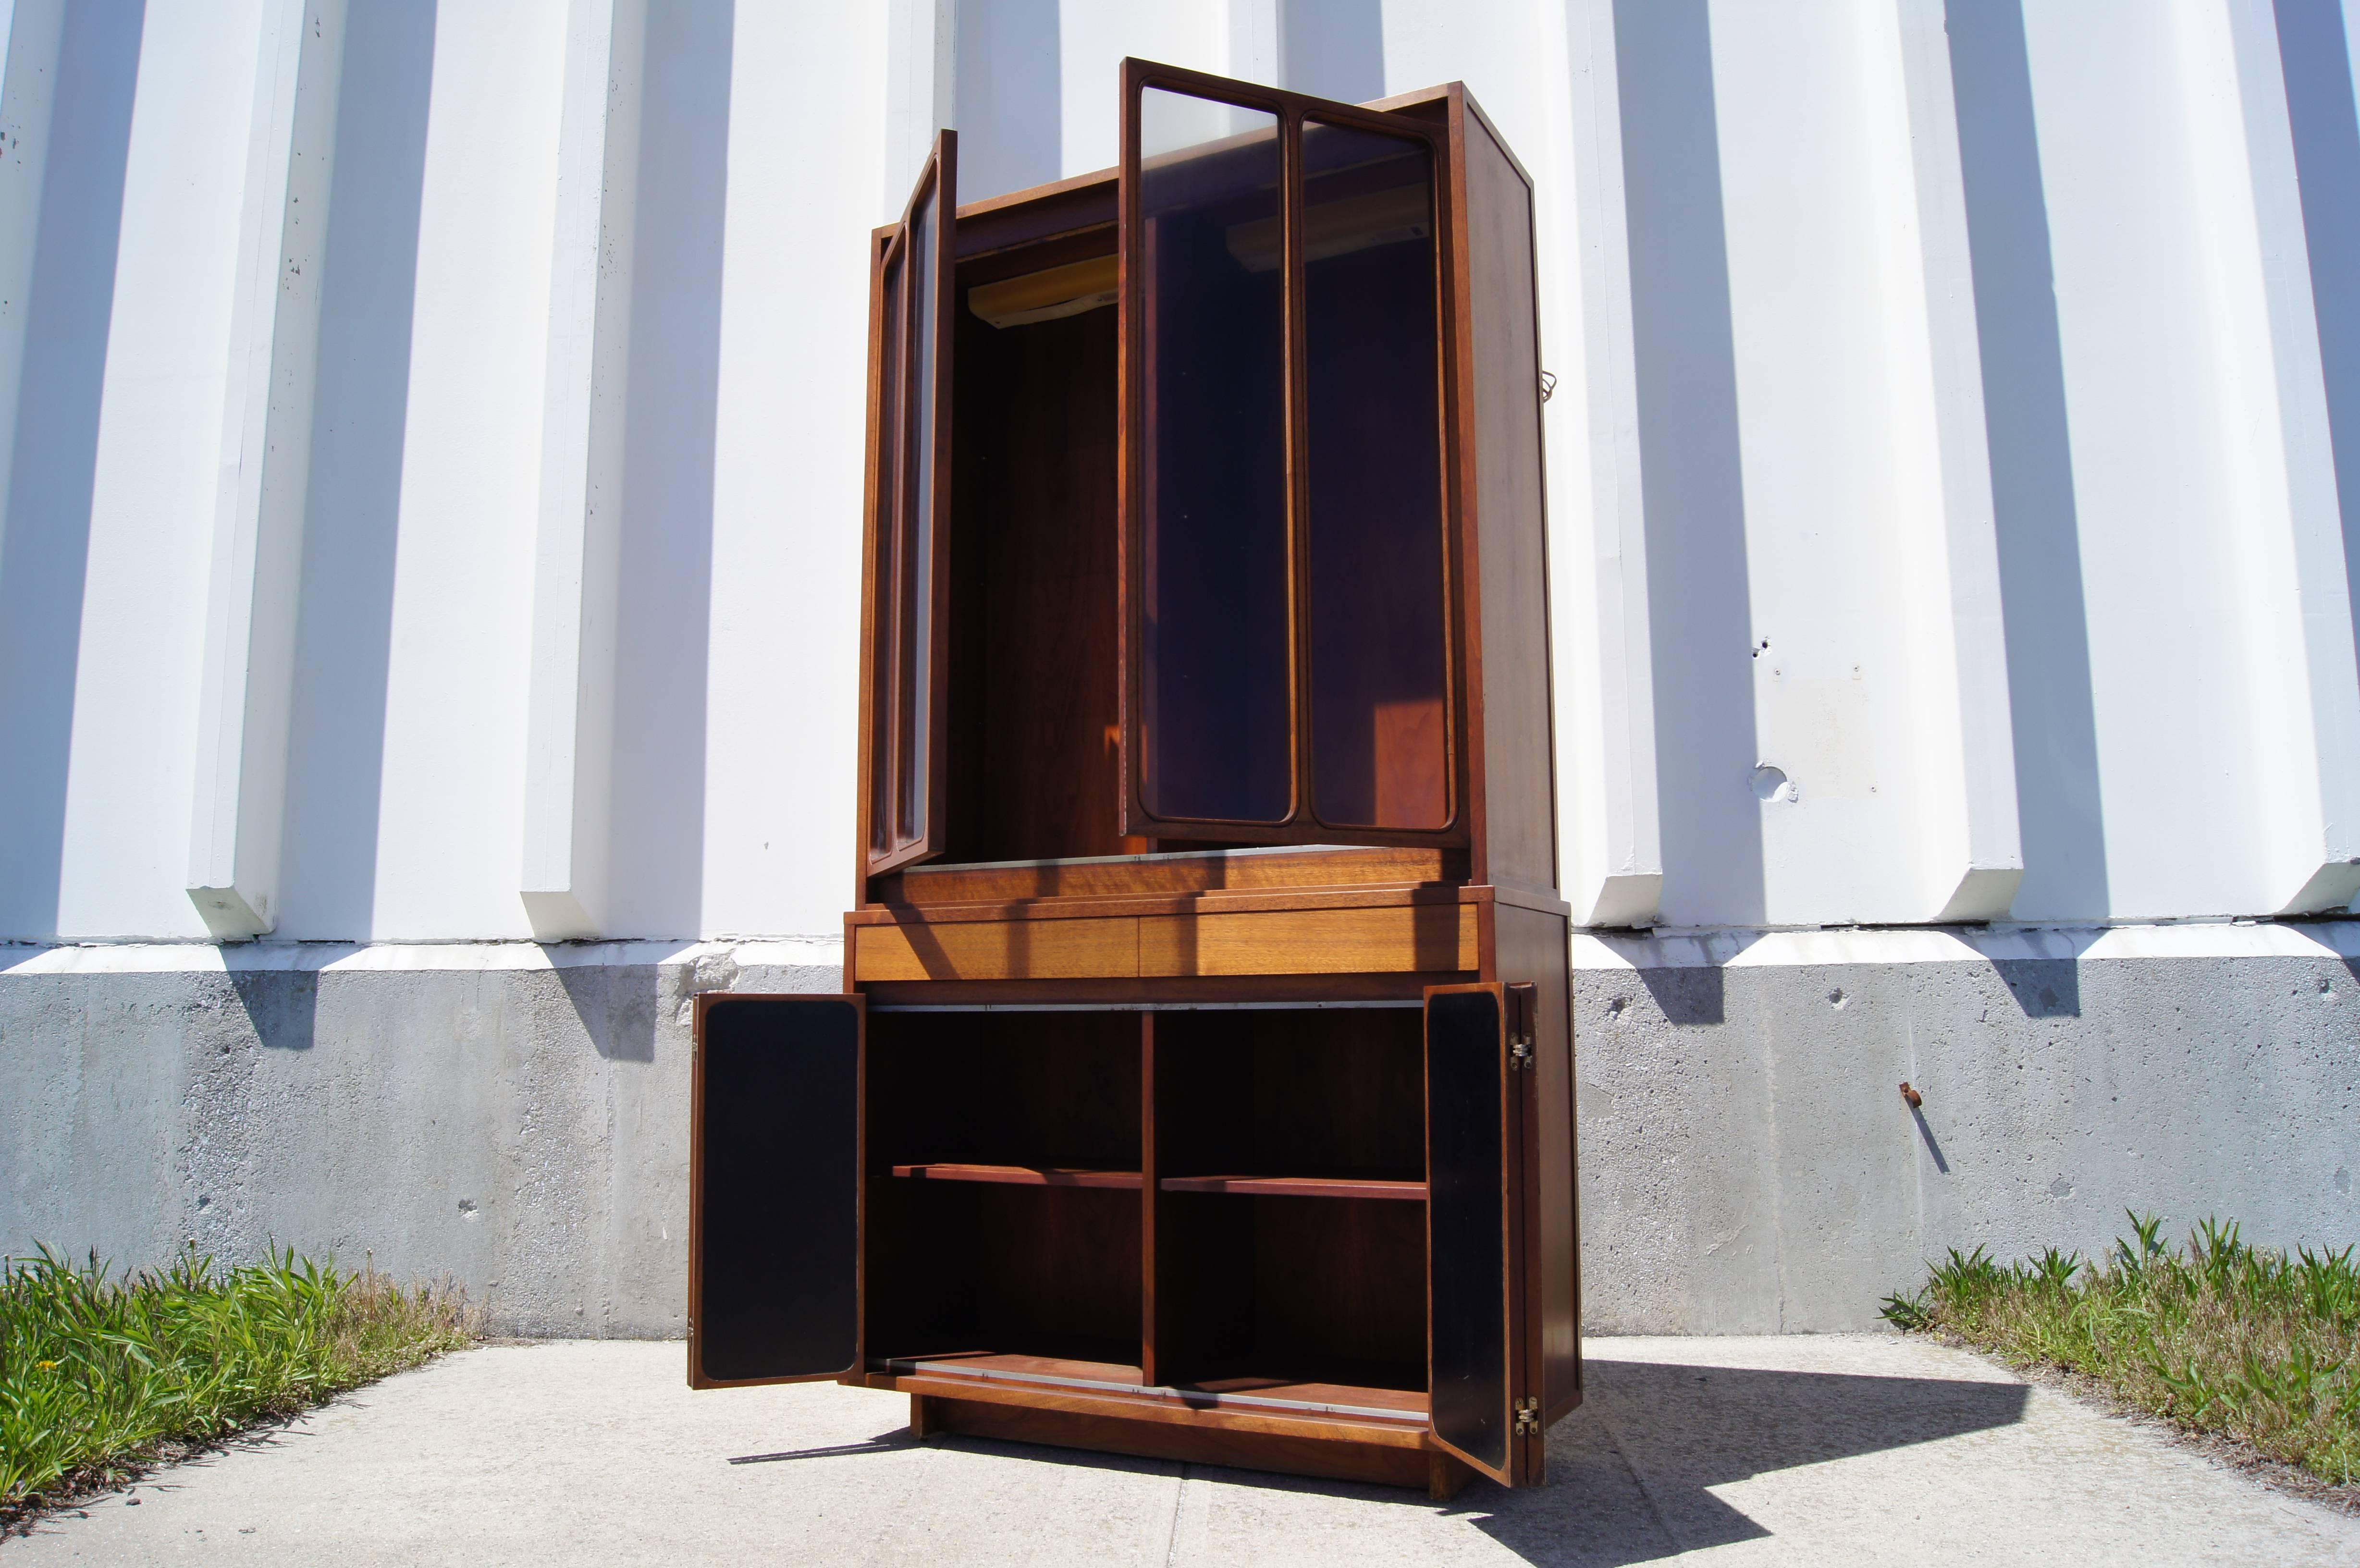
(1528,1417)
(1520,999)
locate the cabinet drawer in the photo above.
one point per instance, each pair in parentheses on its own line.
(998,950)
(1426,938)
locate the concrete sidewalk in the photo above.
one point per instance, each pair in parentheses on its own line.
(1840,1450)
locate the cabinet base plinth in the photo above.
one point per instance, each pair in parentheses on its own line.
(1336,1458)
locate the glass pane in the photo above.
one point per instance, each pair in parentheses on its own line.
(1213,620)
(883,677)
(1379,709)
(918,567)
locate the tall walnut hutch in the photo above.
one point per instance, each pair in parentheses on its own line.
(1202,1084)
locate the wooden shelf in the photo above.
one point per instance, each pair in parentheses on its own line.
(1027,1176)
(1297,1187)
(1120,1380)
(989,1365)
(1358,1399)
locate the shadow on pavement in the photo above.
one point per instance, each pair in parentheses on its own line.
(883,1443)
(1629,1472)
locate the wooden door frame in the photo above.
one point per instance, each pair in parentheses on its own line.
(938,183)
(1514,1113)
(1289,110)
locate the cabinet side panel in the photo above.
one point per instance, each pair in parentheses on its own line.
(1532,948)
(1519,762)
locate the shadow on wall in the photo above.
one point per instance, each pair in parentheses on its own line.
(45,550)
(1685,357)
(2316,52)
(2043,988)
(2034,513)
(1696,995)
(281,1006)
(1333,48)
(1011,114)
(656,852)
(1011,86)
(616,1003)
(336,750)
(360,416)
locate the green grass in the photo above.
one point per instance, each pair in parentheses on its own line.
(100,1376)
(2218,1336)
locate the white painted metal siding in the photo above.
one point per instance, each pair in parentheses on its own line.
(1946,422)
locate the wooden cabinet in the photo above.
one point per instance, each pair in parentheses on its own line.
(1202,1086)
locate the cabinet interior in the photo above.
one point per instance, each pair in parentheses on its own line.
(965,1254)
(1034,770)
(1033,652)
(1281,1254)
(1310,1269)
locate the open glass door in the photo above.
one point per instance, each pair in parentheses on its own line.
(1473,1125)
(774,1275)
(1290,665)
(904,653)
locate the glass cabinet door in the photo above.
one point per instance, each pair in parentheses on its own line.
(1288,629)
(1379,624)
(1216,637)
(903,650)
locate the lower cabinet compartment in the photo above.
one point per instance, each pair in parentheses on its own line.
(1290,1256)
(1003,1214)
(1218,1212)
(1321,1300)
(966,1269)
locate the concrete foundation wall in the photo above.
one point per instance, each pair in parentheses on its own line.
(1749,1166)
(514,1116)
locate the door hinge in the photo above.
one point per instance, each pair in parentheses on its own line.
(1528,1417)
(1520,1025)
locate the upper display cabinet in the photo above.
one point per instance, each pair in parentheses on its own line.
(1204,497)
